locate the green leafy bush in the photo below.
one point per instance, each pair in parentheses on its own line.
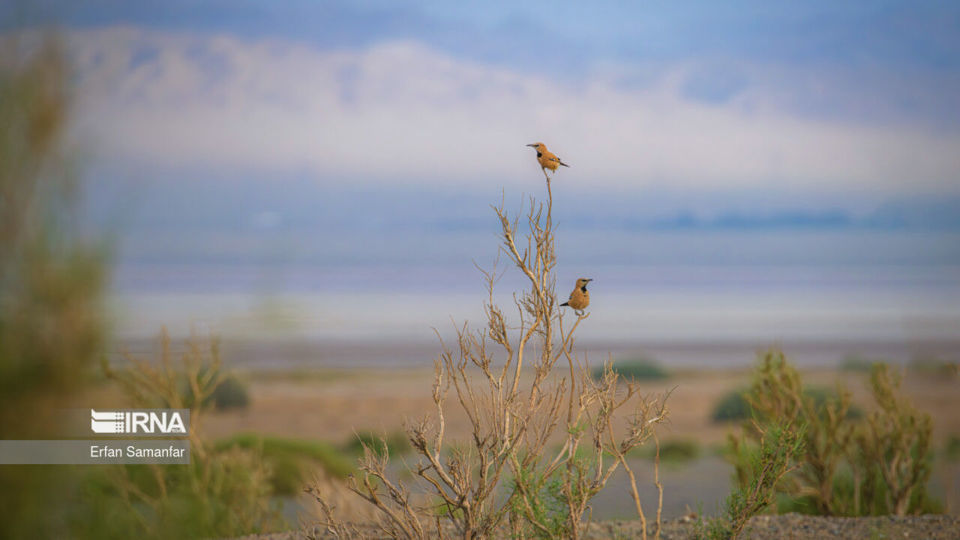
(821,396)
(952,448)
(549,499)
(733,407)
(642,369)
(224,492)
(852,464)
(231,393)
(679,450)
(761,469)
(227,392)
(675,451)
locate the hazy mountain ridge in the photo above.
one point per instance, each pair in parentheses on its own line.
(222,205)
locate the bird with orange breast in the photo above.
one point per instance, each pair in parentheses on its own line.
(579,298)
(546,158)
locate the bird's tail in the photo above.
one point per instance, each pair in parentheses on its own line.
(562,163)
(565,304)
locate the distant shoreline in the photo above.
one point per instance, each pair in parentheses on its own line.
(293,353)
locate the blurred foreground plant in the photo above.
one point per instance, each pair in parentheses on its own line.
(849,466)
(503,480)
(51,279)
(895,442)
(762,468)
(222,492)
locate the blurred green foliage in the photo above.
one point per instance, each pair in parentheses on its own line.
(218,495)
(735,407)
(933,366)
(760,469)
(732,407)
(52,332)
(851,464)
(857,364)
(951,449)
(225,491)
(674,451)
(397,443)
(640,369)
(292,460)
(679,451)
(231,393)
(821,396)
(51,280)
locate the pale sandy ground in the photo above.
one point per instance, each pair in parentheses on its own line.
(332,404)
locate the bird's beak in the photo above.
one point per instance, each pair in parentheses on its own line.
(533,145)
(589,279)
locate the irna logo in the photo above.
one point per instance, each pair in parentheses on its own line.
(133,422)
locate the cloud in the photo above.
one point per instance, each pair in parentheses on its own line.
(401,111)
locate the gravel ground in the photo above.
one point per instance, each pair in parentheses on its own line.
(800,527)
(786,527)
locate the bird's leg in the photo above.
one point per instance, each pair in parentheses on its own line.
(545,174)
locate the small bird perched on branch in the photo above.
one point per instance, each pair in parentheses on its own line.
(547,159)
(579,298)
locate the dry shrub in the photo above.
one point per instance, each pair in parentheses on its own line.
(505,378)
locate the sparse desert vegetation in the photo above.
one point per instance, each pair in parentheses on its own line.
(514,431)
(847,464)
(501,479)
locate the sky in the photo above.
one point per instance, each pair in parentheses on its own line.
(752,135)
(802,96)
